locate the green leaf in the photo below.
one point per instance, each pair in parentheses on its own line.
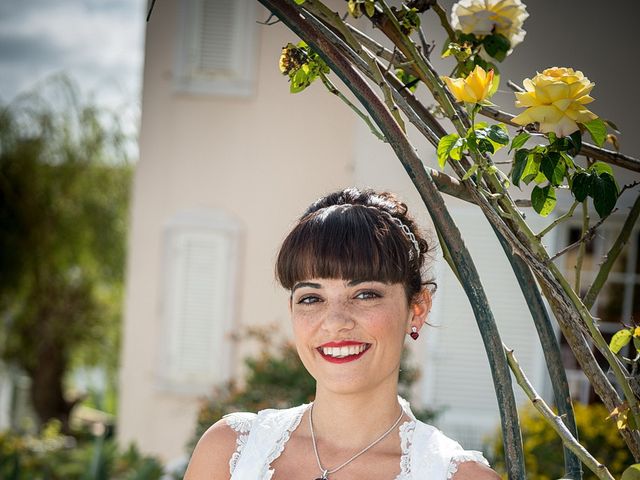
(532,169)
(370,8)
(619,340)
(553,167)
(458,147)
(519,140)
(519,163)
(471,171)
(485,145)
(299,2)
(445,145)
(598,130)
(581,186)
(636,343)
(480,129)
(543,199)
(497,45)
(499,134)
(631,473)
(604,192)
(496,79)
(601,167)
(540,178)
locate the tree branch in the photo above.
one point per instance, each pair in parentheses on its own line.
(583,246)
(558,220)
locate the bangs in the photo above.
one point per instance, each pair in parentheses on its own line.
(343,242)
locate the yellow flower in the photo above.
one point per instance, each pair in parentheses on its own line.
(484,17)
(473,89)
(556,100)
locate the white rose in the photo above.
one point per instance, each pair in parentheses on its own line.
(484,17)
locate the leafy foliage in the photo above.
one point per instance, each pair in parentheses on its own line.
(554,164)
(54,456)
(302,65)
(543,448)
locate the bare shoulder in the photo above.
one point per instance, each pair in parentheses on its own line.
(210,458)
(474,471)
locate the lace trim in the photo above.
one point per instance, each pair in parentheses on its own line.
(406,437)
(240,423)
(466,456)
(267,472)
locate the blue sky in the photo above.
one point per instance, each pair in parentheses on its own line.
(98,43)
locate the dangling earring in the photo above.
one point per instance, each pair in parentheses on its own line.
(414,333)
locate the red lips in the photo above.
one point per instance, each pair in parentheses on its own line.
(343,343)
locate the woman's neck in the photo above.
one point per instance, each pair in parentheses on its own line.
(356,419)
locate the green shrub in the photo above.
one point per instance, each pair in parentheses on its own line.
(543,449)
(276,378)
(53,456)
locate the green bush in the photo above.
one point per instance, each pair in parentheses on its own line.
(543,449)
(276,378)
(53,456)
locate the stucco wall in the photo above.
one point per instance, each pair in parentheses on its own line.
(261,160)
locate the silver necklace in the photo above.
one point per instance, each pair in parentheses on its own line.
(328,471)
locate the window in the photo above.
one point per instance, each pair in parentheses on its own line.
(216,50)
(619,301)
(201,251)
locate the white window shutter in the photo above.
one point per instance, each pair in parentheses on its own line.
(217,50)
(201,253)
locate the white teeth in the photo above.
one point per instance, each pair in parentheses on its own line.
(341,352)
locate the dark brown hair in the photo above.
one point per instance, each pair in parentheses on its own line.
(348,234)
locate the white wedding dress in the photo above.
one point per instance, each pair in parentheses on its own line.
(426,452)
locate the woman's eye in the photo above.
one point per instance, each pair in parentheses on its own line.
(367,295)
(308,299)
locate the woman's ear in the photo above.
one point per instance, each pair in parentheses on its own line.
(420,307)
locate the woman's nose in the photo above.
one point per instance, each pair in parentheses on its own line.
(337,317)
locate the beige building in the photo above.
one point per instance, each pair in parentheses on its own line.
(228,159)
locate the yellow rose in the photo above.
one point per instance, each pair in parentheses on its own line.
(484,17)
(556,100)
(473,89)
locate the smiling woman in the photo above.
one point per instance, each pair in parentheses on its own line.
(354,264)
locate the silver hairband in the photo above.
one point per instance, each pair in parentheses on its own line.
(406,230)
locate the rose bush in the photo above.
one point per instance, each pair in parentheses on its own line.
(556,99)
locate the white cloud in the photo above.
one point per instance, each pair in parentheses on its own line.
(98,43)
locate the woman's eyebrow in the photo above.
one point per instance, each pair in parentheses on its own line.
(305,284)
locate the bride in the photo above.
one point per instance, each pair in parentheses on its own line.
(354,265)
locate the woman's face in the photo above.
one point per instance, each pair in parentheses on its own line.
(349,334)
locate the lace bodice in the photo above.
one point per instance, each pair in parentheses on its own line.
(426,451)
